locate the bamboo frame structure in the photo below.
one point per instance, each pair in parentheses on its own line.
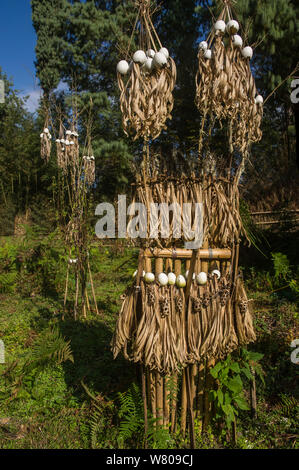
(178,333)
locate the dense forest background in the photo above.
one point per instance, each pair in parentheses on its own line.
(78,45)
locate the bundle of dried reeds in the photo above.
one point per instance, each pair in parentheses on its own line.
(146,99)
(225,86)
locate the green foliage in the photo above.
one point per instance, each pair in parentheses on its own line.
(229,397)
(281,266)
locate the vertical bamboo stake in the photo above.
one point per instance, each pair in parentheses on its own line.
(174,402)
(66,285)
(92,288)
(143,378)
(208,384)
(76,296)
(184,405)
(166,402)
(153,398)
(159,378)
(189,396)
(253,394)
(159,397)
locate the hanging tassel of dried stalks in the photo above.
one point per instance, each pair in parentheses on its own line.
(225,87)
(146,99)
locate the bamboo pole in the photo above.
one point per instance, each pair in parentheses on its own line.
(159,378)
(181,253)
(166,402)
(92,288)
(173,404)
(143,379)
(159,398)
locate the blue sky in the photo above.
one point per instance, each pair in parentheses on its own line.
(17,44)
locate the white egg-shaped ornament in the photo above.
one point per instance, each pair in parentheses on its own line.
(150,53)
(232,27)
(208,54)
(159,60)
(58,141)
(164,51)
(181,281)
(149,278)
(217,273)
(201,278)
(171,279)
(122,67)
(247,52)
(203,45)
(259,99)
(237,41)
(139,57)
(67,142)
(149,64)
(41,135)
(68,133)
(46,130)
(220,26)
(163,279)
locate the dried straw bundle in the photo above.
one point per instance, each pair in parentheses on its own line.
(225,86)
(222,224)
(46,143)
(156,328)
(89,169)
(146,99)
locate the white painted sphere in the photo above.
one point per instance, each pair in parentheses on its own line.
(159,59)
(149,64)
(237,41)
(67,142)
(232,27)
(259,99)
(149,278)
(62,141)
(163,279)
(220,26)
(139,57)
(41,135)
(203,45)
(180,281)
(122,67)
(217,273)
(201,278)
(150,53)
(208,54)
(57,141)
(164,51)
(171,279)
(247,52)
(46,130)
(68,133)
(49,136)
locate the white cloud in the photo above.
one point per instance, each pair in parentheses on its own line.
(31,104)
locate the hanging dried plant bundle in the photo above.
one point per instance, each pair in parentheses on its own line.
(157,332)
(222,224)
(89,169)
(147,83)
(225,86)
(67,147)
(46,143)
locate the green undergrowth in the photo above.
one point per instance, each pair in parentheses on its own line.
(60,386)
